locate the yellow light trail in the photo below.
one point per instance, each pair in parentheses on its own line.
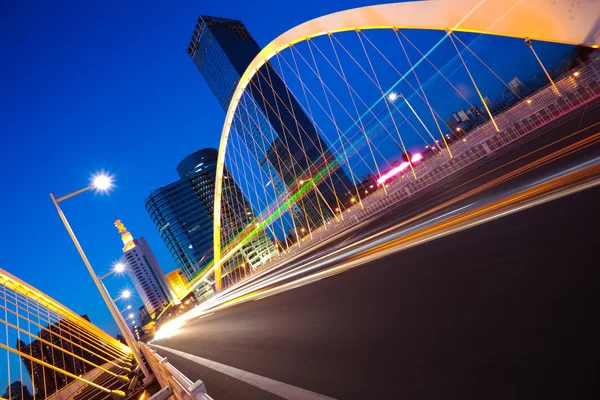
(488,185)
(509,204)
(513,203)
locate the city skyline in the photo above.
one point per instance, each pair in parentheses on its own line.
(90,119)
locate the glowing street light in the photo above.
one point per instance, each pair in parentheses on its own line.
(117,268)
(101,182)
(125,294)
(126,308)
(393,96)
(131,315)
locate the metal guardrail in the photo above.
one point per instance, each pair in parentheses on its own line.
(49,348)
(173,382)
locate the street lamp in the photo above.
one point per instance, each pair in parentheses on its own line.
(118,269)
(101,183)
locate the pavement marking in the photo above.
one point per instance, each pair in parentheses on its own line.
(270,385)
(206,315)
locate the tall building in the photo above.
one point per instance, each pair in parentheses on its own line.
(517,86)
(177,281)
(183,214)
(17,391)
(222,49)
(144,316)
(143,269)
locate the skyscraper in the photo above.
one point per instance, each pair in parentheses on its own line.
(143,269)
(144,316)
(182,212)
(17,391)
(516,86)
(222,49)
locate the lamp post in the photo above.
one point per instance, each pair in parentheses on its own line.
(100,183)
(127,308)
(118,268)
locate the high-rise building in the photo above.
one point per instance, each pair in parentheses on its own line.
(144,316)
(222,49)
(177,281)
(17,391)
(145,272)
(516,86)
(183,214)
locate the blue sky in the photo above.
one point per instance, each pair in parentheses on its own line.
(104,85)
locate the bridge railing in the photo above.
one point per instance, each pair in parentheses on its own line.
(575,88)
(51,352)
(173,382)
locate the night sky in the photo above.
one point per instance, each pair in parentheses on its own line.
(88,86)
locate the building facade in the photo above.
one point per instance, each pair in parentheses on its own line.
(222,49)
(144,271)
(17,391)
(144,316)
(178,282)
(183,215)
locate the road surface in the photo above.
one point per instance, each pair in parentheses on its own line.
(506,309)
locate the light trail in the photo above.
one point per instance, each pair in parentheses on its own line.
(524,199)
(559,187)
(394,239)
(488,185)
(513,174)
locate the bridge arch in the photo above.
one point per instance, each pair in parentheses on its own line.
(559,21)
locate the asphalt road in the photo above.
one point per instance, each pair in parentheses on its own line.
(507,309)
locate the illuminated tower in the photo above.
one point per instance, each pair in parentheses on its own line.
(222,49)
(126,237)
(144,271)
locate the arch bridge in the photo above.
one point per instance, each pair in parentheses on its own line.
(348,113)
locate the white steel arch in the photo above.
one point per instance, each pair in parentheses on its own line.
(560,21)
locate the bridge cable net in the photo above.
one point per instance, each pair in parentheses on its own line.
(331,125)
(48,351)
